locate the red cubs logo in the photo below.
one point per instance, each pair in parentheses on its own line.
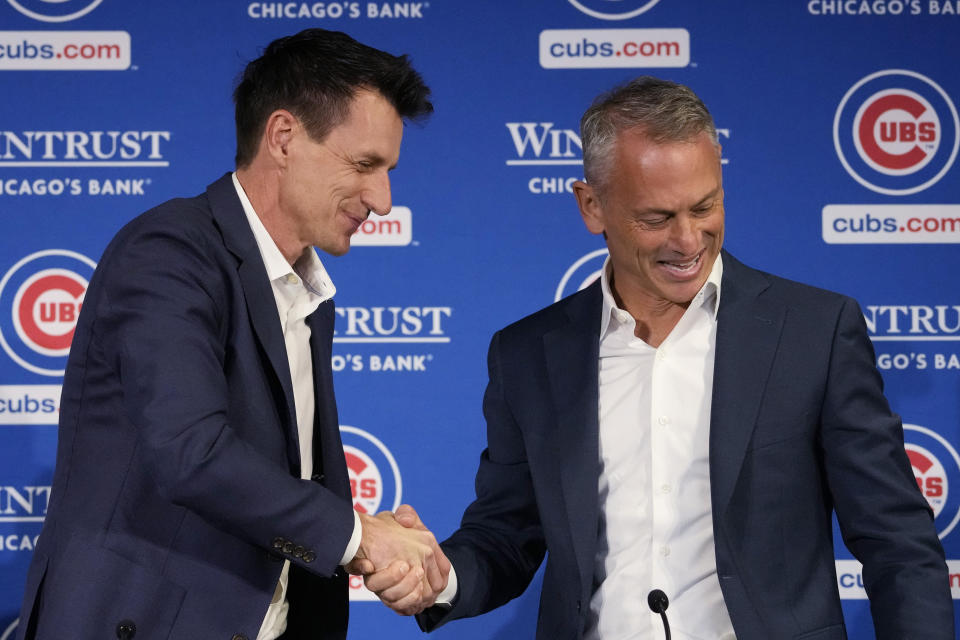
(897,132)
(366,483)
(931,476)
(936,466)
(374,475)
(45,310)
(44,294)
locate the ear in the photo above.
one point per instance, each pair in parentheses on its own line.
(590,208)
(279,130)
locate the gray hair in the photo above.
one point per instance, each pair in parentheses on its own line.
(666,111)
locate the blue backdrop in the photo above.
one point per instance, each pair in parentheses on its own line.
(840,133)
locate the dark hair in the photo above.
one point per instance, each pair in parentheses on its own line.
(666,111)
(315,74)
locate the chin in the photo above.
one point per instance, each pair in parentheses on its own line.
(335,249)
(683,295)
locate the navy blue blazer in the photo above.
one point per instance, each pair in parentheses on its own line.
(799,428)
(176,492)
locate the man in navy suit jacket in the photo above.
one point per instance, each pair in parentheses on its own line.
(685,423)
(200,488)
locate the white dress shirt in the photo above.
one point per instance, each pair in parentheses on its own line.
(298,290)
(656,526)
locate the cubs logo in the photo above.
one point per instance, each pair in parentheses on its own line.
(896,132)
(44,293)
(936,466)
(374,482)
(365,481)
(613,9)
(54,10)
(581,274)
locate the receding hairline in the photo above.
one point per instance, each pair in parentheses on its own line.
(663,110)
(600,186)
(643,131)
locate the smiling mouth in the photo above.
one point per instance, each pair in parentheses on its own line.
(685,268)
(356,220)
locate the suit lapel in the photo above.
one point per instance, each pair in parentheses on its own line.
(748,332)
(261,304)
(571,352)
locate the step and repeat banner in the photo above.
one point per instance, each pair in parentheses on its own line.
(839,126)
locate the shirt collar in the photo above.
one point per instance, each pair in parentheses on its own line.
(709,293)
(308,266)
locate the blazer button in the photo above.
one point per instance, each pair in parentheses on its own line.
(278,543)
(318,477)
(288,547)
(309,557)
(126,630)
(298,551)
(238,636)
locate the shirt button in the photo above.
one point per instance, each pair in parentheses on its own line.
(666,488)
(664,420)
(292,279)
(661,354)
(664,551)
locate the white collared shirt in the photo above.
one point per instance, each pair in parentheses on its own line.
(298,291)
(656,525)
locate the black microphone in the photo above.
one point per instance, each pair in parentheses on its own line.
(658,604)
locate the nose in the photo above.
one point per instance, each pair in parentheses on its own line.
(376,195)
(684,236)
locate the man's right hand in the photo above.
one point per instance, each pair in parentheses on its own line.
(409,554)
(403,585)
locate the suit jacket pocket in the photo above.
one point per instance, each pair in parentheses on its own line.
(88,591)
(833,632)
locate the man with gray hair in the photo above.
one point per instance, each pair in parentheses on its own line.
(686,423)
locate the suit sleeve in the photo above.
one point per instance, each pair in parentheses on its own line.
(884,519)
(499,545)
(162,324)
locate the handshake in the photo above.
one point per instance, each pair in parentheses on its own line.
(400,561)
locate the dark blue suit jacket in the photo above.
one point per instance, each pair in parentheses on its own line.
(176,492)
(799,428)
